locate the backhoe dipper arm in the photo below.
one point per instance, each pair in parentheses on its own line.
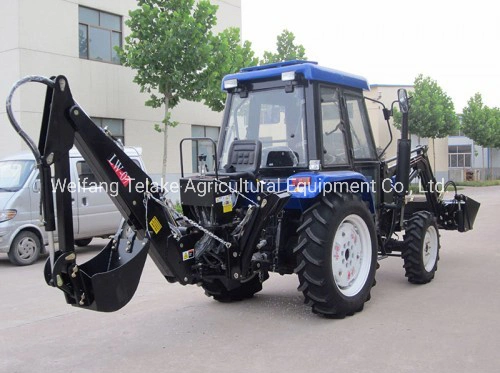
(109,280)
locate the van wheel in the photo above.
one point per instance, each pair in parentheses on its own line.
(25,248)
(83,242)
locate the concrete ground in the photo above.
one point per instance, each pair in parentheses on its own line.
(449,325)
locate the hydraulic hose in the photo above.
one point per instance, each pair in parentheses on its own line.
(8,105)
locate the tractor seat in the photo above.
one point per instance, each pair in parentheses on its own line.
(281,157)
(243,159)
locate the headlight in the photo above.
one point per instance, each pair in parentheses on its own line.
(7,215)
(230,83)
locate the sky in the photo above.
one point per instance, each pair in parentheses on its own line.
(456,43)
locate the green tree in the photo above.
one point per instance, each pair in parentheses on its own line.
(173,49)
(286,49)
(482,124)
(228,56)
(432,114)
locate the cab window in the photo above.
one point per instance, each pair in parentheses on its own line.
(362,143)
(334,146)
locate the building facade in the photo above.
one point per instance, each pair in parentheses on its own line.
(457,157)
(75,38)
(387,94)
(470,161)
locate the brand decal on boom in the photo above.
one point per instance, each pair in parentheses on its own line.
(117,167)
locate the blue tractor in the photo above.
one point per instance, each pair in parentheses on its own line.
(294,185)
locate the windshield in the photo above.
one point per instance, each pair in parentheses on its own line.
(13,174)
(275,118)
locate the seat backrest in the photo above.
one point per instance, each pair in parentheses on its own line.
(281,158)
(244,156)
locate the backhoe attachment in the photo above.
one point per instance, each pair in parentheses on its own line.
(108,281)
(186,250)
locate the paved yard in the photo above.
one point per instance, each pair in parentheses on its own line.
(449,325)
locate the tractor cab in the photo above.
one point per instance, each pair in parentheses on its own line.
(292,117)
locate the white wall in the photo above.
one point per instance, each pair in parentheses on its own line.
(43,40)
(9,69)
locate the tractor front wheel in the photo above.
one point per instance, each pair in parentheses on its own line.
(336,255)
(421,248)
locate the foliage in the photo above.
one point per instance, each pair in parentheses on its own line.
(168,44)
(481,123)
(176,55)
(432,113)
(286,48)
(228,56)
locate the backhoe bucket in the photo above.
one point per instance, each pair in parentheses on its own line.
(114,274)
(106,282)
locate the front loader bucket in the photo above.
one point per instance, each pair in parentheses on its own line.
(106,282)
(467,214)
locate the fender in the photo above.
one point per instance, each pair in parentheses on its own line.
(309,185)
(31,227)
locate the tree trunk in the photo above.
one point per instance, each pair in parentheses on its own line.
(484,169)
(165,142)
(491,163)
(433,156)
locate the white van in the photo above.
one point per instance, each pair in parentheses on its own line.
(21,232)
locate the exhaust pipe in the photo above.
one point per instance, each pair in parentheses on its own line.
(404,149)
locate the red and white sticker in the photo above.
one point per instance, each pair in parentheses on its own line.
(117,167)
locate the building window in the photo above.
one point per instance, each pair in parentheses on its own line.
(204,147)
(99,33)
(115,126)
(459,156)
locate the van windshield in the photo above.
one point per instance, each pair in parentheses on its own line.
(14,173)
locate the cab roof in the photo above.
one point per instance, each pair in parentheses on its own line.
(309,69)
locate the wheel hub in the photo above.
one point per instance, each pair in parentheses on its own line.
(350,256)
(430,248)
(26,248)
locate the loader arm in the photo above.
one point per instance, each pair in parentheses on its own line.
(109,280)
(458,213)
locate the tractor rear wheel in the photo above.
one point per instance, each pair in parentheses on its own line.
(245,290)
(336,255)
(421,248)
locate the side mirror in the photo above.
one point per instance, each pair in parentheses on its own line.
(403,100)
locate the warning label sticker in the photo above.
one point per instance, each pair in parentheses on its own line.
(186,255)
(227,205)
(155,224)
